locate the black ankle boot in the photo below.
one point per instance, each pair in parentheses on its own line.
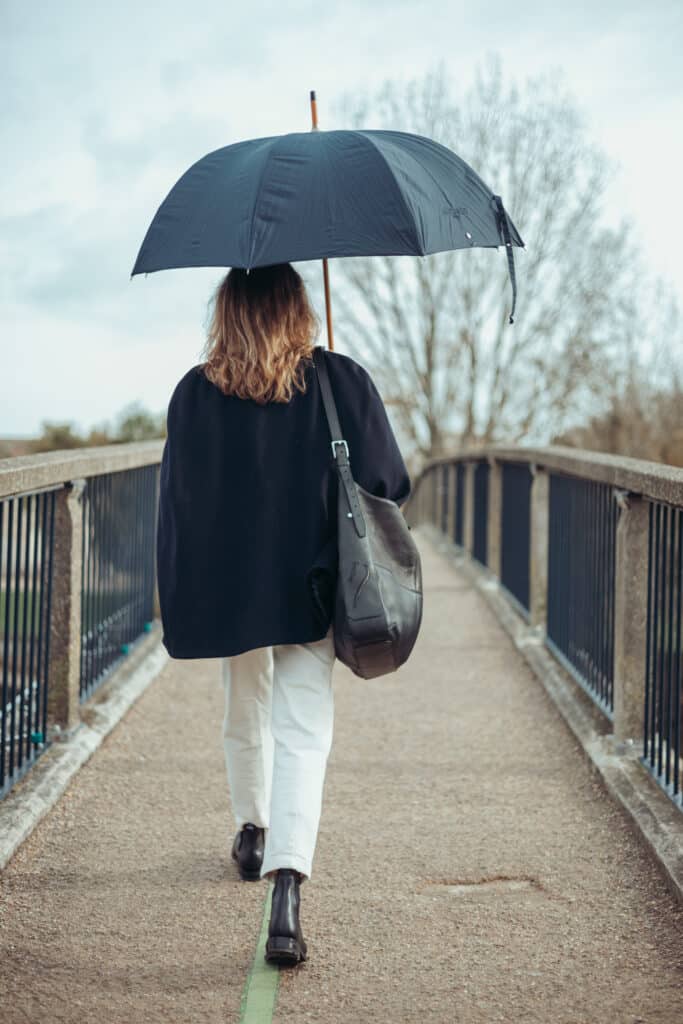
(285,944)
(247,850)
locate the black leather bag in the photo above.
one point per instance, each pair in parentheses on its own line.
(371,572)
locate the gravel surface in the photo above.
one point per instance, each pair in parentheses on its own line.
(458,770)
(470,868)
(123,906)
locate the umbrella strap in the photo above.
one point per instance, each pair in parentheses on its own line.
(504,229)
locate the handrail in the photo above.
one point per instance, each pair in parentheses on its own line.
(653,480)
(22,473)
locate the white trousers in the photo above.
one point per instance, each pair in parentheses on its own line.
(277,735)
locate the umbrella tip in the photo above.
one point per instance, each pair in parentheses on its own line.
(312,94)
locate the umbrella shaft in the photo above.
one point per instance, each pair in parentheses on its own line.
(328,306)
(326,273)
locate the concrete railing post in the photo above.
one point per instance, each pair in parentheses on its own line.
(411,511)
(63,697)
(433,495)
(630,615)
(495,517)
(539,513)
(440,491)
(468,508)
(156,606)
(452,484)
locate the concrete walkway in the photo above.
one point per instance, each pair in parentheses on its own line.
(469,866)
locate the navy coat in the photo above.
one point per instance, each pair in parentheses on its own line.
(247,508)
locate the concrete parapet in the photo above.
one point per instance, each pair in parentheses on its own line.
(651,479)
(31,472)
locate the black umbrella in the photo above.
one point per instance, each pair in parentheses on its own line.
(320,194)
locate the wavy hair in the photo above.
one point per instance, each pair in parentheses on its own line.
(262,332)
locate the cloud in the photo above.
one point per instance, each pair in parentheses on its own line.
(105,106)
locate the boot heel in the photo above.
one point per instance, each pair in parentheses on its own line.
(284,950)
(247,852)
(250,876)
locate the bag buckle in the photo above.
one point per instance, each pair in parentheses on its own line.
(334,454)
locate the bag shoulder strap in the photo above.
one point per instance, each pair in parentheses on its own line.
(328,398)
(340,448)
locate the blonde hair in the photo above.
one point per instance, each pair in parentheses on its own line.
(262,331)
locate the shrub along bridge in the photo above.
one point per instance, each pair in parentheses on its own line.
(582,552)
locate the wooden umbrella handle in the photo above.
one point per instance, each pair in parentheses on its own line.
(326,272)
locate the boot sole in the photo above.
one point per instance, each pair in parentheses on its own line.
(284,951)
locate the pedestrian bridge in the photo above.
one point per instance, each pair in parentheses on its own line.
(502,831)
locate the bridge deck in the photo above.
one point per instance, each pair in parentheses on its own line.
(469,865)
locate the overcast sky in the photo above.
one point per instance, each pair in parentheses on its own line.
(106,105)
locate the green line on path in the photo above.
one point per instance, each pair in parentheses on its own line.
(260,988)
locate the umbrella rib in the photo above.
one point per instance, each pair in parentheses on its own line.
(257,199)
(418,240)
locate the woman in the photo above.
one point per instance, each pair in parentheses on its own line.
(246,522)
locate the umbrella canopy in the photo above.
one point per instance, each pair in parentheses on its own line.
(320,194)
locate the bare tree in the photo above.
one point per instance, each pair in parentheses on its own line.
(434,330)
(643,417)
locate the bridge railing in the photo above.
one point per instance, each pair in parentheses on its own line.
(77,585)
(589,550)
